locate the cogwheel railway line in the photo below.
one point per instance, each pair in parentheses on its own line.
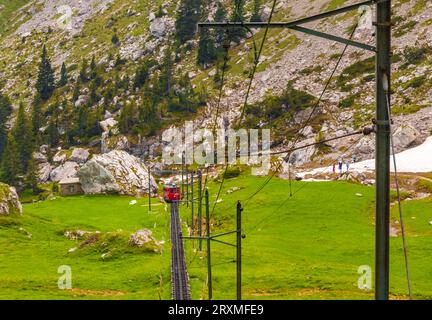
(179,274)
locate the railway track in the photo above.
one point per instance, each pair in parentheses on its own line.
(179,275)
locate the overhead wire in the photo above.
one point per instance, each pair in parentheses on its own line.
(309,118)
(252,76)
(396,177)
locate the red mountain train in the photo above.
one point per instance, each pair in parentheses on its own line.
(171,193)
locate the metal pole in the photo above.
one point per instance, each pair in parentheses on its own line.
(192,195)
(382,164)
(149,188)
(187,187)
(182,174)
(200,227)
(199,194)
(209,269)
(239,250)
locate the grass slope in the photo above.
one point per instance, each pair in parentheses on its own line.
(307,247)
(311,246)
(28,267)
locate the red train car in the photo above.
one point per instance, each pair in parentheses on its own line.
(171,193)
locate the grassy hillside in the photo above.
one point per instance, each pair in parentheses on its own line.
(307,247)
(29,265)
(7,9)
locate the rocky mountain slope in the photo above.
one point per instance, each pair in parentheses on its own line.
(75,30)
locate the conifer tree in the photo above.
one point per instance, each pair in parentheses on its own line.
(256,16)
(126,119)
(187,19)
(93,69)
(63,76)
(83,76)
(36,118)
(53,133)
(32,176)
(22,133)
(165,77)
(45,82)
(206,49)
(10,164)
(5,113)
(236,34)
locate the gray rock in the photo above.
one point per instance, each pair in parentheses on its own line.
(9,200)
(82,100)
(67,170)
(140,238)
(79,155)
(116,172)
(107,124)
(405,136)
(39,157)
(59,157)
(44,171)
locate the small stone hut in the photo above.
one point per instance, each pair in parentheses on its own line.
(70,187)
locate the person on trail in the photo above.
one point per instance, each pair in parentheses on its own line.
(340,165)
(354,158)
(347,165)
(334,167)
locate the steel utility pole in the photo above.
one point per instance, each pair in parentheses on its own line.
(209,269)
(182,174)
(382,151)
(239,251)
(192,195)
(200,208)
(382,50)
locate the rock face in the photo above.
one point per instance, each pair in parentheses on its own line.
(140,238)
(79,155)
(405,137)
(160,27)
(44,171)
(9,200)
(67,170)
(116,172)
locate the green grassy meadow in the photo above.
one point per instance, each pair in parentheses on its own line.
(308,246)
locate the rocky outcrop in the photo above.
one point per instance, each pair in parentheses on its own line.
(44,171)
(160,27)
(9,200)
(67,170)
(79,155)
(405,136)
(110,143)
(116,172)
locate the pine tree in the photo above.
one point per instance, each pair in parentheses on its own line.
(256,16)
(206,49)
(10,164)
(187,19)
(236,34)
(76,93)
(93,69)
(36,118)
(63,76)
(126,118)
(5,113)
(53,133)
(115,39)
(32,176)
(165,77)
(83,76)
(220,34)
(45,82)
(22,133)
(141,76)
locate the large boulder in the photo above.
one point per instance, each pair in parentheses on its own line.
(9,200)
(44,171)
(405,136)
(160,27)
(79,155)
(107,124)
(67,170)
(116,172)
